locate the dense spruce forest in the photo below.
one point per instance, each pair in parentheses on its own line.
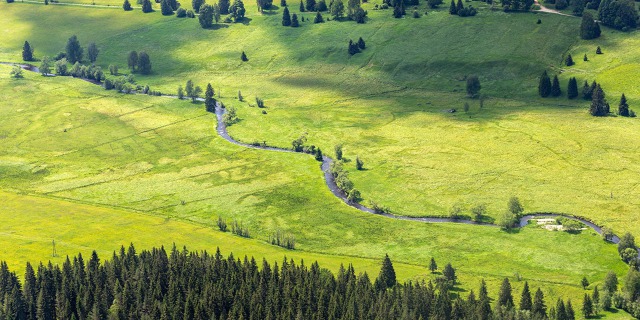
(191,285)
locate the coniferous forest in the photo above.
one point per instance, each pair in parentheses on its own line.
(191,285)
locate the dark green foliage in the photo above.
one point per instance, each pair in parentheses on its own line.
(206,16)
(264,4)
(318,18)
(92,52)
(578,7)
(416,14)
(587,90)
(294,21)
(27,52)
(132,60)
(209,100)
(236,10)
(337,9)
(302,9)
(359,163)
(181,13)
(321,6)
(144,63)
(73,50)
(146,6)
(127,6)
(286,17)
(310,5)
(318,155)
(222,224)
(361,44)
(283,3)
(459,6)
(539,309)
(515,207)
(623,107)
(398,11)
(61,67)
(525,298)
(544,85)
(572,88)
(387,277)
(453,9)
(561,312)
(555,87)
(561,4)
(432,265)
(587,306)
(626,241)
(10,1)
(16,72)
(353,48)
(434,3)
(505,299)
(449,273)
(589,28)
(224,6)
(191,14)
(571,315)
(45,66)
(280,239)
(243,57)
(569,61)
(610,282)
(338,151)
(585,58)
(584,283)
(598,50)
(469,11)
(165,8)
(196,4)
(473,86)
(598,104)
(619,14)
(239,229)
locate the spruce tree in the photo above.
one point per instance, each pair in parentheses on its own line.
(318,18)
(505,299)
(387,276)
(555,87)
(449,273)
(587,306)
(525,298)
(311,5)
(587,91)
(206,16)
(539,309)
(243,57)
(572,89)
(584,283)
(294,21)
(459,6)
(569,61)
(209,100)
(361,44)
(92,52)
(224,6)
(623,107)
(146,6)
(585,58)
(127,6)
(283,3)
(452,8)
(321,6)
(571,314)
(432,265)
(74,50)
(302,6)
(166,8)
(196,4)
(337,9)
(286,17)
(561,312)
(544,85)
(598,104)
(27,52)
(144,63)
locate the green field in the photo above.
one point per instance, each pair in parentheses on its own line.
(119,157)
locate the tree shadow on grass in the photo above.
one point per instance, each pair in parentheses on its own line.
(217,26)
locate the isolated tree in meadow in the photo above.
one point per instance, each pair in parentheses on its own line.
(243,57)
(359,163)
(165,8)
(569,61)
(353,48)
(126,5)
(387,277)
(584,282)
(432,265)
(146,6)
(196,4)
(505,298)
(449,273)
(27,52)
(16,72)
(318,18)
(544,85)
(589,28)
(74,50)
(598,50)
(473,86)
(92,52)
(555,87)
(361,44)
(45,66)
(206,16)
(209,100)
(337,9)
(144,63)
(294,21)
(132,60)
(286,17)
(598,103)
(623,107)
(338,151)
(515,206)
(572,88)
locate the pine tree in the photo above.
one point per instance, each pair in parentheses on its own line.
(598,105)
(555,87)
(209,100)
(585,58)
(361,44)
(449,273)
(206,16)
(571,315)
(561,312)
(544,85)
(166,8)
(587,306)
(196,4)
(587,91)
(286,17)
(572,89)
(74,50)
(505,299)
(453,10)
(318,18)
(283,3)
(585,283)
(589,28)
(144,63)
(302,6)
(432,265)
(569,61)
(237,10)
(539,308)
(387,276)
(337,9)
(224,6)
(311,5)
(319,155)
(598,50)
(27,52)
(525,298)
(294,21)
(243,57)
(146,6)
(459,6)
(595,296)
(623,107)
(127,6)
(359,163)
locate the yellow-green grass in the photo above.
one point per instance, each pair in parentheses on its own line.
(148,154)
